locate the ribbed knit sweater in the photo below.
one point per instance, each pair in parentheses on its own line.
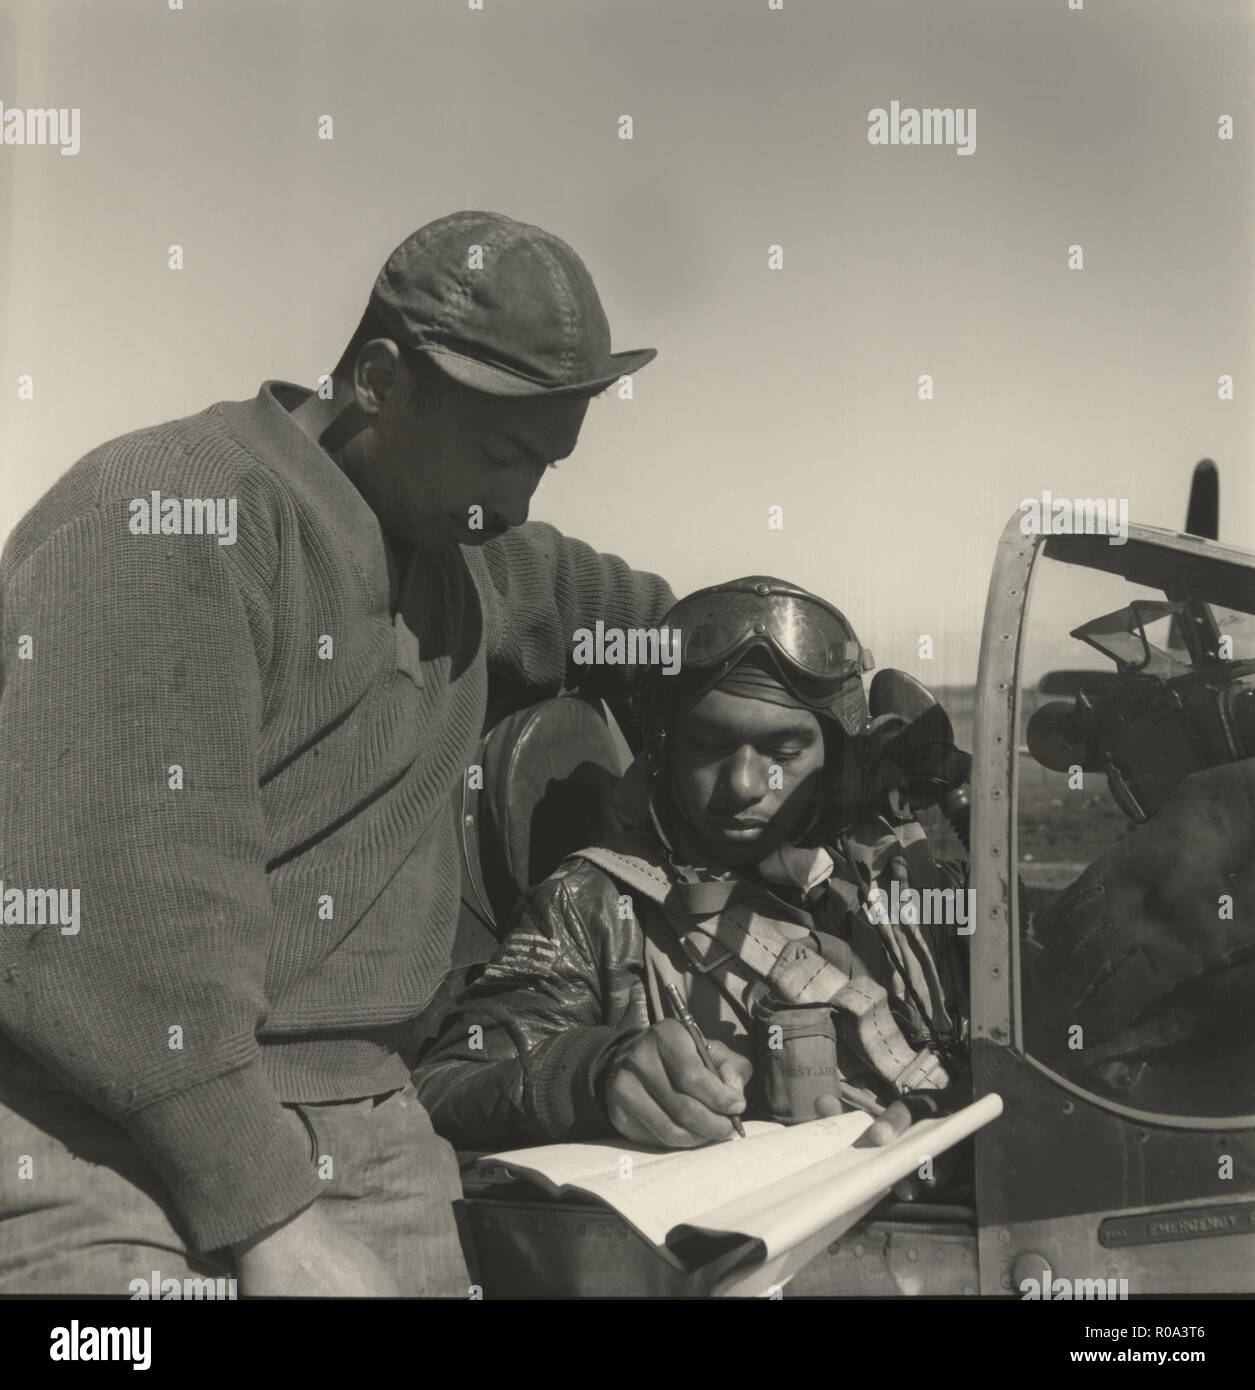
(246,765)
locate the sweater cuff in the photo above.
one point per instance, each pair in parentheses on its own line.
(234,1161)
(562,1075)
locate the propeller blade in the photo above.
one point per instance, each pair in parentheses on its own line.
(1202,518)
(1202,515)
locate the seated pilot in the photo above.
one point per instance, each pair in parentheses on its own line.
(751,873)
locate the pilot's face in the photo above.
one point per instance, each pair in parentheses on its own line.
(745,774)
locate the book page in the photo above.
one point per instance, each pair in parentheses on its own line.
(659,1189)
(796,1217)
(571,1165)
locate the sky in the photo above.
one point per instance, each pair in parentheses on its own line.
(796,387)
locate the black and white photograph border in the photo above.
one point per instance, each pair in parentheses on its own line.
(627,654)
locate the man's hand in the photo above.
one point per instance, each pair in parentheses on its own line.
(309,1256)
(883,1130)
(659,1091)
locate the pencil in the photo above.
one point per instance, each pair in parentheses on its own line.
(699,1041)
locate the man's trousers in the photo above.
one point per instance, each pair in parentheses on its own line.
(82,1211)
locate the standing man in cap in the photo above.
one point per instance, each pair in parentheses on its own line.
(245,664)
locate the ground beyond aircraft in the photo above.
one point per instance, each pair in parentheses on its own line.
(1112,983)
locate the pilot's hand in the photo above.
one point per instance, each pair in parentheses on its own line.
(884,1129)
(310,1256)
(657,1089)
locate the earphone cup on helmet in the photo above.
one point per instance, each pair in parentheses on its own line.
(845,780)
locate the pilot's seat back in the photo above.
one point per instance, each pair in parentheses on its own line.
(548,777)
(539,787)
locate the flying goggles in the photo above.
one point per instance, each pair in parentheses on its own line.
(809,643)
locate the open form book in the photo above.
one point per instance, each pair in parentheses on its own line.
(747,1213)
